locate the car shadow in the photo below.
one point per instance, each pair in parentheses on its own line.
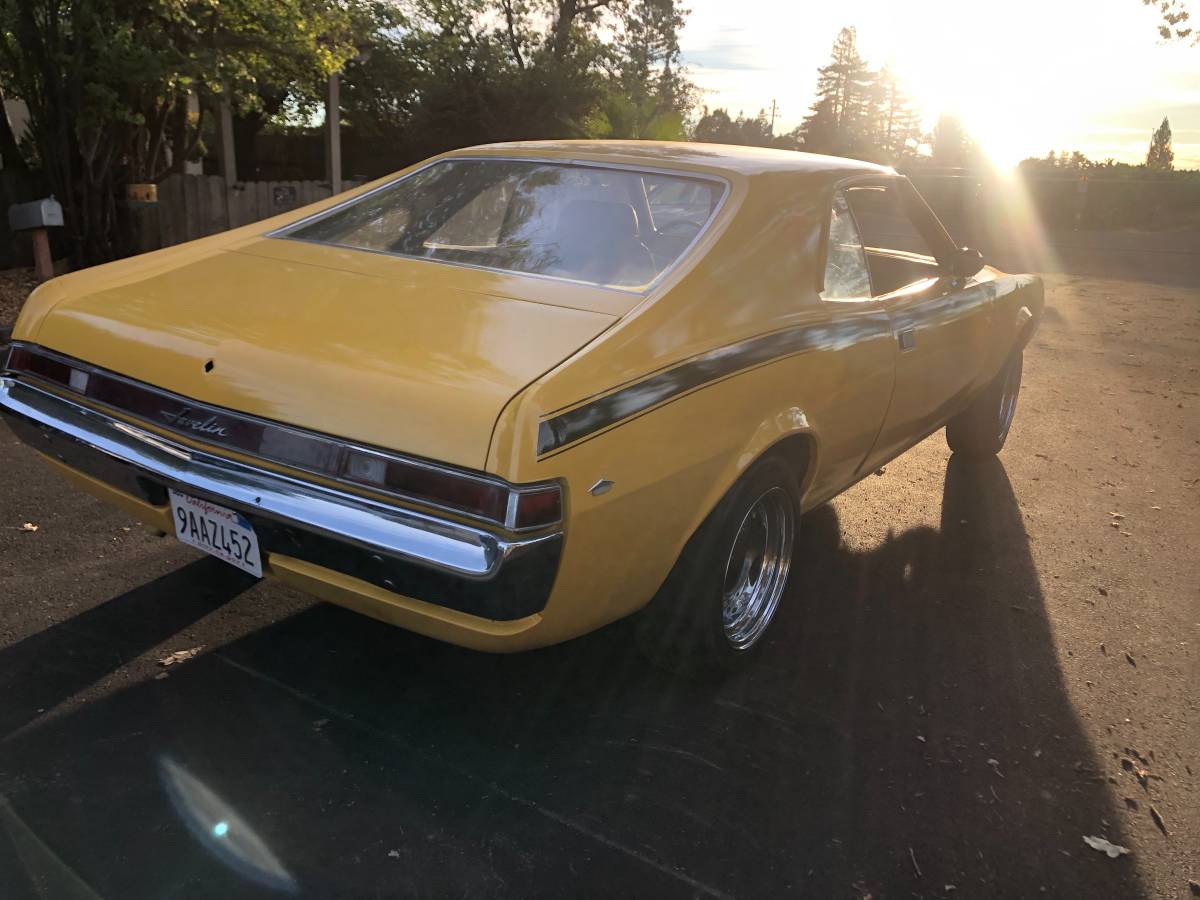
(54,664)
(906,728)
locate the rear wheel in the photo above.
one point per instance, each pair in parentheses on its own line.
(982,428)
(725,589)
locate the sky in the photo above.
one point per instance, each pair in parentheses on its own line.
(1025,76)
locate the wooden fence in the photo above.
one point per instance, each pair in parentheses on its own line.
(193,206)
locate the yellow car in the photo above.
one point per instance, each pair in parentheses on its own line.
(517,392)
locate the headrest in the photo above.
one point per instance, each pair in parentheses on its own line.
(609,218)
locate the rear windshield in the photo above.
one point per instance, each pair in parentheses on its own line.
(614,227)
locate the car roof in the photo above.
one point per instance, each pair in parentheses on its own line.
(682,154)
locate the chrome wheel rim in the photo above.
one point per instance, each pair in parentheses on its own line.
(1008,398)
(756,569)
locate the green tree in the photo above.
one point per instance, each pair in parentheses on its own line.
(841,114)
(107,81)
(717,127)
(473,71)
(1160,155)
(647,96)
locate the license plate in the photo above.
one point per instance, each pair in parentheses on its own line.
(224,533)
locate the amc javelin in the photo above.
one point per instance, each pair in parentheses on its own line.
(520,391)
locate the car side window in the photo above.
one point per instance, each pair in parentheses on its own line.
(897,251)
(846,274)
(884,221)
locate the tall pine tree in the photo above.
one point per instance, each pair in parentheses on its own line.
(840,116)
(895,121)
(1160,155)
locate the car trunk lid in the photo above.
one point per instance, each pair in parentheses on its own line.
(421,363)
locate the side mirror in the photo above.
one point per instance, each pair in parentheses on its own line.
(965,262)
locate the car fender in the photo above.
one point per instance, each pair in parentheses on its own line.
(1019,310)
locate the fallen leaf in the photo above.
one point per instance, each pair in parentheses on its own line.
(180,656)
(1105,846)
(28,526)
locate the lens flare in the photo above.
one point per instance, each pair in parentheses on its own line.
(221,830)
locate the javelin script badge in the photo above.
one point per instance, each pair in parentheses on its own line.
(181,419)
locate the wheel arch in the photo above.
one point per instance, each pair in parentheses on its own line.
(787,434)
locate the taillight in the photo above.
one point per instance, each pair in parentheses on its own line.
(536,507)
(15,358)
(20,359)
(470,494)
(515,507)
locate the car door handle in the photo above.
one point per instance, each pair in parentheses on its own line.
(907,339)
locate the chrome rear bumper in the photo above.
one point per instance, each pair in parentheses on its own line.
(499,576)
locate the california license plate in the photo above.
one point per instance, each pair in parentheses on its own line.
(224,533)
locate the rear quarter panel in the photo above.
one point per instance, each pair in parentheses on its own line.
(670,464)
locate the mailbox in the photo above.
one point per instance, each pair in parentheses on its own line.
(35,218)
(38,214)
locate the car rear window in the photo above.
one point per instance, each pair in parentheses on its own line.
(613,227)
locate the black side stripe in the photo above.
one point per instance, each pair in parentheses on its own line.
(591,417)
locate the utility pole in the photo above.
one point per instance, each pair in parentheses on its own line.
(772,117)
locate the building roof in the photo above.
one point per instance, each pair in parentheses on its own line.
(669,154)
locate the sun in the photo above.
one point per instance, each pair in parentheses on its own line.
(1010,85)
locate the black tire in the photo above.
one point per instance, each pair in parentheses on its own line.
(982,428)
(684,629)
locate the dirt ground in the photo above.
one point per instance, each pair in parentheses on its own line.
(976,666)
(15,286)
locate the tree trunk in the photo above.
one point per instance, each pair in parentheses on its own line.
(177,133)
(10,153)
(562,27)
(245,128)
